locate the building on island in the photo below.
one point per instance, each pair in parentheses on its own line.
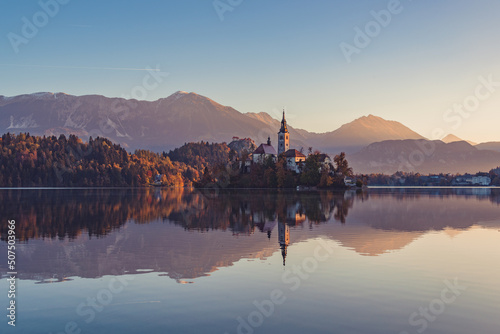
(294,160)
(263,152)
(325,162)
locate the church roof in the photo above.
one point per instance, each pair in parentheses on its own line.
(265,149)
(284,128)
(292,153)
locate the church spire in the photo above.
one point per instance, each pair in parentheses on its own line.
(284,128)
(283,136)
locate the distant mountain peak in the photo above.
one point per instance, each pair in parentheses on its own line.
(452,138)
(178,94)
(183,94)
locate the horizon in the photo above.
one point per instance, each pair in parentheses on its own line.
(423,65)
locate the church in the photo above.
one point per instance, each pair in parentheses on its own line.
(294,158)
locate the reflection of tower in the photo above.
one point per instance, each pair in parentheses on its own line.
(283,238)
(283,137)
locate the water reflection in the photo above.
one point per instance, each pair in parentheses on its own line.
(284,239)
(187,234)
(68,213)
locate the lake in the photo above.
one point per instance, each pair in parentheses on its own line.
(253,261)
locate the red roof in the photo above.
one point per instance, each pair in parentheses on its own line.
(292,153)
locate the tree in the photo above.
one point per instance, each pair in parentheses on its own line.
(342,166)
(311,173)
(325,180)
(281,171)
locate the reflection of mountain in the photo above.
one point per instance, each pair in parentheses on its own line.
(190,234)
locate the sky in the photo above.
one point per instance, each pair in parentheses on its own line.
(431,65)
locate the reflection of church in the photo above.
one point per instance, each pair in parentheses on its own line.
(292,218)
(289,212)
(283,233)
(283,238)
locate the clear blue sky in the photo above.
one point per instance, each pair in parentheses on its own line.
(268,54)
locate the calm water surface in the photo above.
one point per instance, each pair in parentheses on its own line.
(182,261)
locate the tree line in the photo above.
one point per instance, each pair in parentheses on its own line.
(50,161)
(27,161)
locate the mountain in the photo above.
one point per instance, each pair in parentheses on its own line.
(491,145)
(353,136)
(452,138)
(423,156)
(157,125)
(170,122)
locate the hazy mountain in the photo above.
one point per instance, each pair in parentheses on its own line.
(452,138)
(353,136)
(170,122)
(423,156)
(491,145)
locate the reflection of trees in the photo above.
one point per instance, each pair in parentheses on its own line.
(71,212)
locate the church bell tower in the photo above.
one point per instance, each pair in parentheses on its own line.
(283,137)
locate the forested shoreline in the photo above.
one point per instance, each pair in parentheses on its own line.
(50,161)
(28,161)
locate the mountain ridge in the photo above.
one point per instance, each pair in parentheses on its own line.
(169,122)
(423,156)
